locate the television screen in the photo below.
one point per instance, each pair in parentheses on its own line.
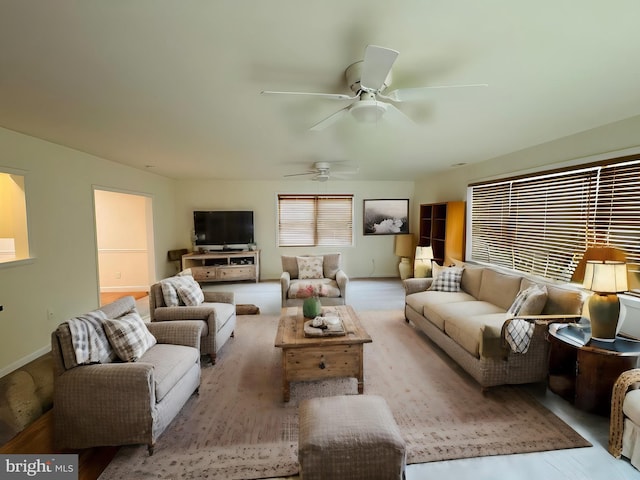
(223,228)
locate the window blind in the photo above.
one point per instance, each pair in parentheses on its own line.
(315,220)
(542,224)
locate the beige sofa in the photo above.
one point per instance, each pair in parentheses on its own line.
(468,325)
(120,403)
(333,285)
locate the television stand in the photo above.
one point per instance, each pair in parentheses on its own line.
(223,266)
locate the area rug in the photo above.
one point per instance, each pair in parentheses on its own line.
(239,428)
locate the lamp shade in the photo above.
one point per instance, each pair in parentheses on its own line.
(605,276)
(404,245)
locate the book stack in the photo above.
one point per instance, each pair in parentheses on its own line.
(578,334)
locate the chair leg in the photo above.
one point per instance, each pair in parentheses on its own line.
(213,358)
(233,334)
(150,448)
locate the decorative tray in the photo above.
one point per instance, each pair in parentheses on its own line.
(327,327)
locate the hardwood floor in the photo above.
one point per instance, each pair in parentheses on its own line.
(37,438)
(108,297)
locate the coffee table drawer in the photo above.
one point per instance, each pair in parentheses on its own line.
(323,362)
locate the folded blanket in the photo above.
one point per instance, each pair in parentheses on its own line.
(89,340)
(518,333)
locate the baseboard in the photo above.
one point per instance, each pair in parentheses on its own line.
(24,360)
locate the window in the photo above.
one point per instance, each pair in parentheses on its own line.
(542,224)
(315,220)
(14,240)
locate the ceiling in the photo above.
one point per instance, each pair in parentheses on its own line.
(174,86)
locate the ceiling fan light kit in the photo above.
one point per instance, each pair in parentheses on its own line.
(368,111)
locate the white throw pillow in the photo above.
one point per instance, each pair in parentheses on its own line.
(129,336)
(529,301)
(310,267)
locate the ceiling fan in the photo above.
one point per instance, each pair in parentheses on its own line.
(368,79)
(321,172)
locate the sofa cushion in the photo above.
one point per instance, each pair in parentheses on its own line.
(468,331)
(224,312)
(309,267)
(331,265)
(631,405)
(323,287)
(499,288)
(563,300)
(429,304)
(471,280)
(529,301)
(170,363)
(129,336)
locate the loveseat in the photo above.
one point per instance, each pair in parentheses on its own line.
(475,324)
(99,399)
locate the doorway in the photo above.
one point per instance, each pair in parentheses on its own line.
(124,237)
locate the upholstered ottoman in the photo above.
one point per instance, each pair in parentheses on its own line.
(349,437)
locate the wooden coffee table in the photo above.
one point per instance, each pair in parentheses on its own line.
(316,358)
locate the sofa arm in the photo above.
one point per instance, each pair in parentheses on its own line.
(103,404)
(179,332)
(164,314)
(549,319)
(219,297)
(285,282)
(343,283)
(415,285)
(616,427)
(94,389)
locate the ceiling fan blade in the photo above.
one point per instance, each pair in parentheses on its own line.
(420,93)
(397,118)
(330,120)
(300,174)
(376,66)
(332,96)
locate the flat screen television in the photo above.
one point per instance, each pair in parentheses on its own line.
(221,229)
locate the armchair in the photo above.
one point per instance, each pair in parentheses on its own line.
(624,428)
(217,312)
(332,285)
(112,402)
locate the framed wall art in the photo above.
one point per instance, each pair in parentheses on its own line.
(386,217)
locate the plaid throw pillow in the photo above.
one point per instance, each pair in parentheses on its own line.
(191,293)
(170,289)
(129,336)
(447,280)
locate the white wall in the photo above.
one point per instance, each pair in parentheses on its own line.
(371,256)
(62,277)
(608,141)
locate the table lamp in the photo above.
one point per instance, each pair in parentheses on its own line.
(422,262)
(404,250)
(605,278)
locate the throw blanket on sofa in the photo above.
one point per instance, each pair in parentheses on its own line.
(518,332)
(89,341)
